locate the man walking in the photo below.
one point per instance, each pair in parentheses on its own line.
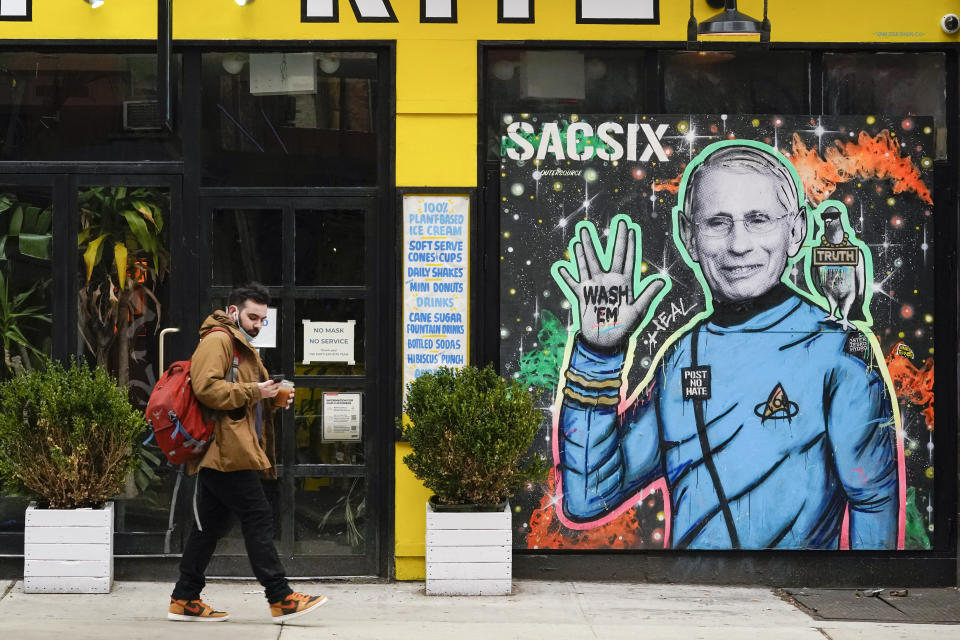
(767,420)
(228,377)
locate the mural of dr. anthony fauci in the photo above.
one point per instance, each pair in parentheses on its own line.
(769,417)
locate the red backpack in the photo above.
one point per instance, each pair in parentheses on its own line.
(181,425)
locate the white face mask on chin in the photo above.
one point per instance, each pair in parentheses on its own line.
(236,318)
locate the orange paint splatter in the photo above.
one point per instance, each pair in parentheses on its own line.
(547,532)
(671,186)
(912,384)
(868,158)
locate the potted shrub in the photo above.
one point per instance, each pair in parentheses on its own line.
(68,439)
(470,431)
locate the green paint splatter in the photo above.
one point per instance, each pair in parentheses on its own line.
(916,532)
(541,367)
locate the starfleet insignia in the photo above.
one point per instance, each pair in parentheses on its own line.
(777,407)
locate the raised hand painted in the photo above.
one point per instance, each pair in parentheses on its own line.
(604,287)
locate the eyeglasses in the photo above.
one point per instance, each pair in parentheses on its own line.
(755,222)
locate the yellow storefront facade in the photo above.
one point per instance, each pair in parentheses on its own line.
(436,106)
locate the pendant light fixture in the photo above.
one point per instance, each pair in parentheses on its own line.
(729,22)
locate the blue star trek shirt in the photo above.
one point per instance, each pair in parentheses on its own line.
(792,413)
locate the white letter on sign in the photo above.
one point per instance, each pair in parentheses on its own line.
(373,11)
(653,142)
(320,11)
(572,140)
(514,10)
(618,11)
(520,141)
(438,11)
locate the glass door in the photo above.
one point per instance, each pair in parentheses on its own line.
(314,256)
(128,268)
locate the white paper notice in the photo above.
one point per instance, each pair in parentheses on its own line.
(341,416)
(267,338)
(435,283)
(329,341)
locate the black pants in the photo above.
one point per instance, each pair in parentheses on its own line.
(222,495)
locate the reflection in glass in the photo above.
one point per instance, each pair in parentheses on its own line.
(895,84)
(82,106)
(330,248)
(146,511)
(290,118)
(560,81)
(12,515)
(246,247)
(26,277)
(728,82)
(311,448)
(332,310)
(123,259)
(331,516)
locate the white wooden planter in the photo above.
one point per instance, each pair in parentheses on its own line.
(469,554)
(68,550)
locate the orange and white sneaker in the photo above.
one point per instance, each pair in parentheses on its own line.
(294,606)
(194,611)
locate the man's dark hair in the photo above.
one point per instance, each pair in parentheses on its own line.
(251,291)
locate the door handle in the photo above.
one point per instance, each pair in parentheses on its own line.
(163,334)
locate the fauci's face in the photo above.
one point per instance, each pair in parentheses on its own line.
(249,317)
(740,232)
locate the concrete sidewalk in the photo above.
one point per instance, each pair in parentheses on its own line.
(554,610)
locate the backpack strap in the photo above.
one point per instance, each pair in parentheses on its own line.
(233,374)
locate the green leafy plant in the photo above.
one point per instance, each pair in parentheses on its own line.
(25,238)
(353,507)
(470,431)
(16,315)
(68,436)
(124,261)
(30,226)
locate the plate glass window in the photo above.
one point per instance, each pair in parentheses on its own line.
(907,84)
(82,106)
(267,115)
(729,82)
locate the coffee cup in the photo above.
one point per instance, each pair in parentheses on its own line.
(283,393)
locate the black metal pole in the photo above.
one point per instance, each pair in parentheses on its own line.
(692,26)
(164,47)
(765,27)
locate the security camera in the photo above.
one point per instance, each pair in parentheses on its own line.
(950,23)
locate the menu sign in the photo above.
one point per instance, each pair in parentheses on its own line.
(435,285)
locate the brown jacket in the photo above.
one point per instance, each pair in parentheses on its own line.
(235,445)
